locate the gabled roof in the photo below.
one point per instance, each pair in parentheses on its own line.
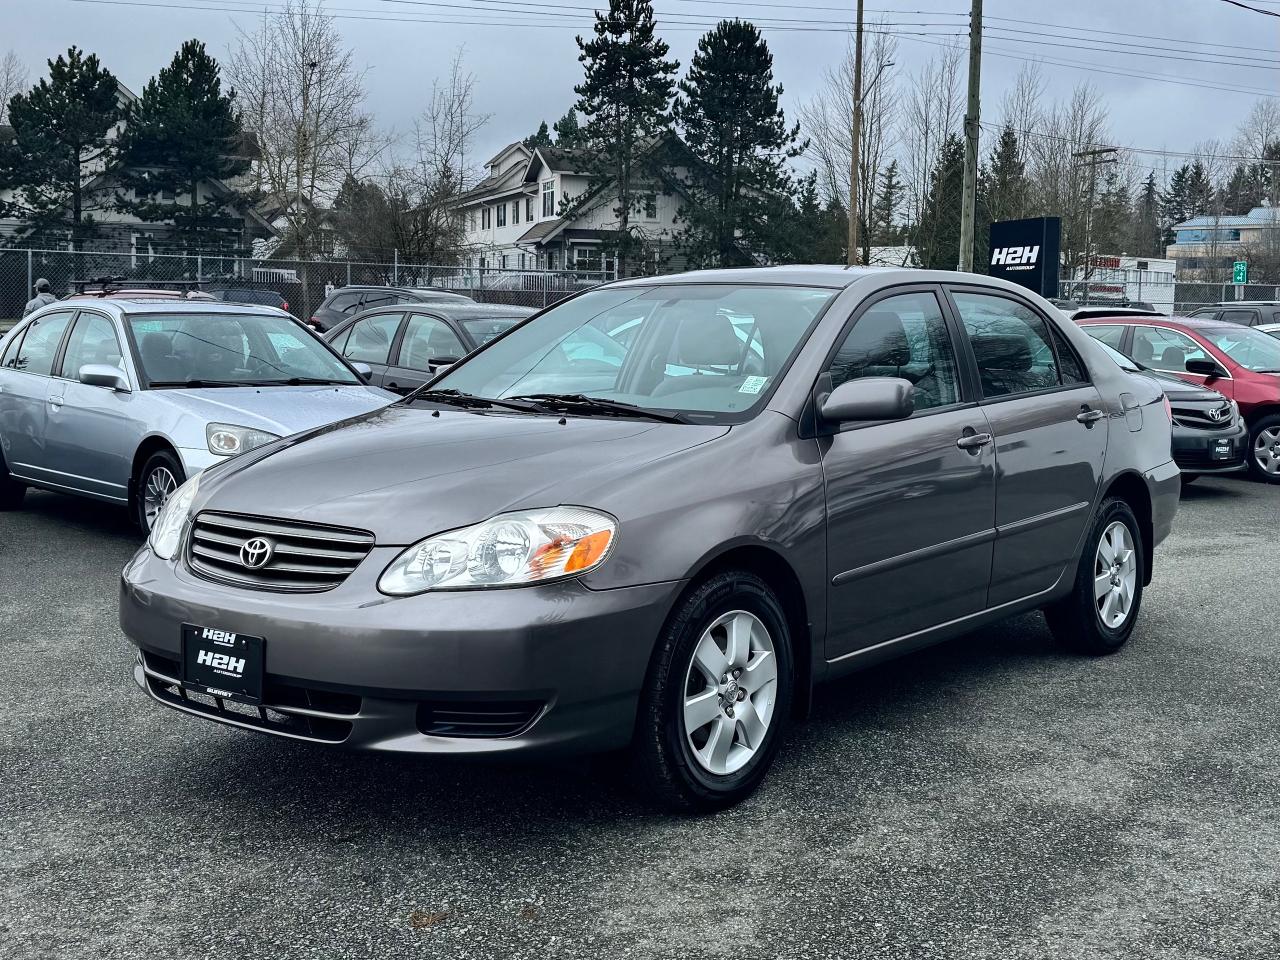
(517,145)
(1257,217)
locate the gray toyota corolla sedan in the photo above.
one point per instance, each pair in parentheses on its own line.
(122,398)
(655,516)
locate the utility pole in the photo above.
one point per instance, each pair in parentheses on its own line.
(969,203)
(854,213)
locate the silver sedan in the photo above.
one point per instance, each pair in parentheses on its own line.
(122,399)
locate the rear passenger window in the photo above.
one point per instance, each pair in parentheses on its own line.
(40,344)
(345,302)
(1069,365)
(371,338)
(1010,343)
(1246,317)
(903,336)
(9,360)
(1108,334)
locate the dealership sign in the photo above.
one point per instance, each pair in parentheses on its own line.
(1026,252)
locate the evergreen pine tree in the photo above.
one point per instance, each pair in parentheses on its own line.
(624,97)
(60,142)
(542,138)
(182,132)
(1147,234)
(890,192)
(729,114)
(567,130)
(938,232)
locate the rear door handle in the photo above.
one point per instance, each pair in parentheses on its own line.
(974,441)
(1088,416)
(55,402)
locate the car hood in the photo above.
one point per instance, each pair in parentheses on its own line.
(405,472)
(279,410)
(1175,388)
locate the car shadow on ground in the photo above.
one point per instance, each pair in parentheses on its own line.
(1217,489)
(82,514)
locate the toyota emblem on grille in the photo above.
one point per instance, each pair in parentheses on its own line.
(1218,413)
(256,553)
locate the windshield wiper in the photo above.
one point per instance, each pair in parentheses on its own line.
(581,403)
(469,401)
(302,382)
(197,384)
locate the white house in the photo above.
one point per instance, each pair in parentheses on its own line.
(513,222)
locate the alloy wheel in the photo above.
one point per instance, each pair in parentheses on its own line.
(1266,451)
(158,488)
(1115,575)
(729,692)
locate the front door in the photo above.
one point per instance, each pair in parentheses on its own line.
(1050,431)
(910,504)
(1168,350)
(429,346)
(370,341)
(92,434)
(26,397)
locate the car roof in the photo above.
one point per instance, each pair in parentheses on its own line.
(1245,303)
(1157,320)
(465,311)
(1086,313)
(813,275)
(144,305)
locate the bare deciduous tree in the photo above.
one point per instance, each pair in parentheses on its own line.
(1259,129)
(14,78)
(931,112)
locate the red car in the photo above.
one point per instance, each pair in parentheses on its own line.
(1239,362)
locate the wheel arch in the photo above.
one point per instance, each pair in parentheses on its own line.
(771,566)
(149,446)
(1132,489)
(1261,412)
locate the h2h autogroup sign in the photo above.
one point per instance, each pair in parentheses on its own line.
(1026,252)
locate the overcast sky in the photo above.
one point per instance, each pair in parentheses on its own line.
(525,73)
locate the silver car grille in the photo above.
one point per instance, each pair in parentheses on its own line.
(270,554)
(1211,415)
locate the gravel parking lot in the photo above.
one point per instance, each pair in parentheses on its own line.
(993,797)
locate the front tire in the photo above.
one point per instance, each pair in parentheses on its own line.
(1097,617)
(718,696)
(160,475)
(1264,449)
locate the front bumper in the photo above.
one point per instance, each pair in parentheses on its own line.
(353,667)
(1195,451)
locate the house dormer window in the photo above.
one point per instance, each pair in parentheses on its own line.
(548,198)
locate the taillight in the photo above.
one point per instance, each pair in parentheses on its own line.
(285,305)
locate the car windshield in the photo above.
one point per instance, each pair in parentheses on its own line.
(482,331)
(1252,350)
(705,351)
(235,349)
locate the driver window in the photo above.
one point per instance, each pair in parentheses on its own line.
(427,340)
(903,336)
(1165,349)
(93,341)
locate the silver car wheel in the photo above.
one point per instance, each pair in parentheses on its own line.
(1266,450)
(729,692)
(1115,575)
(160,484)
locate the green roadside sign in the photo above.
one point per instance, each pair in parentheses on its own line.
(1240,272)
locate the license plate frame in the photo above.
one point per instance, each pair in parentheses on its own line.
(223,664)
(1222,450)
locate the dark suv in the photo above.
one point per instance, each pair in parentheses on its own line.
(349,300)
(1250,313)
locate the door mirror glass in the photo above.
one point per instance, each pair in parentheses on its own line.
(868,399)
(104,375)
(362,369)
(1205,368)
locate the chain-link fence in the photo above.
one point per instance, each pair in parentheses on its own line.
(302,284)
(1161,291)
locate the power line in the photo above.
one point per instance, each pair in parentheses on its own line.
(1245,6)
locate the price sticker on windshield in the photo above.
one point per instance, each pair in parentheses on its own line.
(753,384)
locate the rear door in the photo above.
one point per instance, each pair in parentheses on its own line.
(370,341)
(1050,430)
(428,346)
(910,503)
(26,396)
(93,431)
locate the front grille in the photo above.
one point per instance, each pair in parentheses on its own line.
(1200,416)
(303,558)
(286,709)
(472,719)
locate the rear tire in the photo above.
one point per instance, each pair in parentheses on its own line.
(1097,617)
(160,475)
(718,696)
(11,491)
(1264,449)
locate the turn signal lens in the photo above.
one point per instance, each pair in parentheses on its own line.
(513,549)
(1168,408)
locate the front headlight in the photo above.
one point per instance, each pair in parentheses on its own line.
(227,440)
(1235,410)
(512,549)
(166,532)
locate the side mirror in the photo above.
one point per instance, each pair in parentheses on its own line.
(104,375)
(868,398)
(363,370)
(1206,368)
(444,361)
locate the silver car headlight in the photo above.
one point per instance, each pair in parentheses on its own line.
(511,549)
(227,439)
(166,532)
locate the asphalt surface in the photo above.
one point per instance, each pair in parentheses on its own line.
(993,797)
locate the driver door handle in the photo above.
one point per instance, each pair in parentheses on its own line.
(1088,416)
(974,441)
